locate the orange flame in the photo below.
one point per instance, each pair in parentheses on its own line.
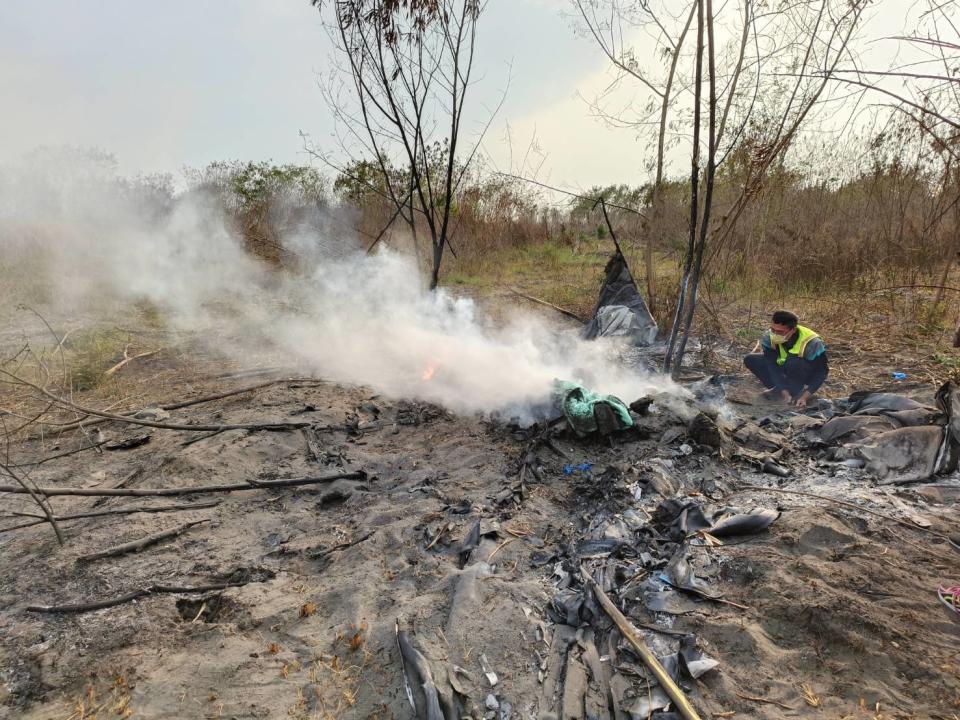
(428,373)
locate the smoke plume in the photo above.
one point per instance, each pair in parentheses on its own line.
(77,237)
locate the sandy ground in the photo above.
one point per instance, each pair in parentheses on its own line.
(835,610)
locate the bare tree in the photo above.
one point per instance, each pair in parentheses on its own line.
(698,244)
(925,93)
(750,46)
(409,66)
(821,39)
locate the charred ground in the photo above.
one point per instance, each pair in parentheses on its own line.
(834,610)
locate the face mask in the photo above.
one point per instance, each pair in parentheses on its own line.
(777,339)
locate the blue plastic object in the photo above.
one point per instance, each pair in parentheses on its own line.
(899,376)
(582,467)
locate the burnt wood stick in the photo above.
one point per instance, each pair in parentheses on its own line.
(683,705)
(41,461)
(166,492)
(178,405)
(550,305)
(116,511)
(120,600)
(317,554)
(63,402)
(141,543)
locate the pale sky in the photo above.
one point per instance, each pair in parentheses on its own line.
(187,82)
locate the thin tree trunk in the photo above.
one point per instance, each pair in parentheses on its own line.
(708,198)
(653,222)
(694,189)
(435,272)
(951,258)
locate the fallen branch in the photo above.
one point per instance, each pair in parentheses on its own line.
(150,423)
(129,597)
(166,492)
(250,372)
(178,405)
(499,548)
(60,455)
(440,532)
(559,309)
(754,698)
(128,358)
(661,630)
(198,438)
(135,545)
(39,498)
(316,555)
(130,477)
(226,394)
(650,660)
(114,511)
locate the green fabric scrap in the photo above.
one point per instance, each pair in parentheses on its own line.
(578,404)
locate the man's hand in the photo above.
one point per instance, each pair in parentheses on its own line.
(802,401)
(785,396)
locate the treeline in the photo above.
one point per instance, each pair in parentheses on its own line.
(891,223)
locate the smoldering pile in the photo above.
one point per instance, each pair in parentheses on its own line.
(633,545)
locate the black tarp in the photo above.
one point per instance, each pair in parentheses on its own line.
(621,310)
(903,454)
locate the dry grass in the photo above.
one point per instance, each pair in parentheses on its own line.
(99,702)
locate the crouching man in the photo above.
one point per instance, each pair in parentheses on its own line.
(793,361)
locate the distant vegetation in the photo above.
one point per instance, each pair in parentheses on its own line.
(816,229)
(893,222)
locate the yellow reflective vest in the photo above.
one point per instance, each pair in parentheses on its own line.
(804,336)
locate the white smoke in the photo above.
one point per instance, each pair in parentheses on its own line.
(345,316)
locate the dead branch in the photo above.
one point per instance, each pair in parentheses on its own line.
(129,358)
(650,660)
(228,393)
(42,502)
(661,630)
(251,372)
(317,554)
(114,511)
(129,477)
(129,597)
(149,423)
(168,492)
(140,544)
(766,701)
(567,192)
(183,404)
(198,438)
(549,305)
(47,459)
